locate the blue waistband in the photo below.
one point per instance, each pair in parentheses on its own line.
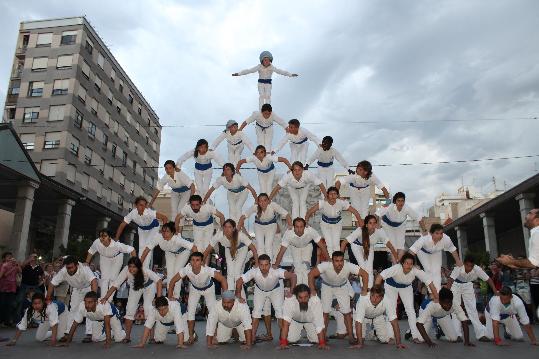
(425,251)
(358,187)
(504,316)
(180,250)
(276,286)
(389,222)
(301,141)
(266,170)
(148,283)
(264,81)
(459,281)
(325,164)
(425,302)
(331,220)
(390,281)
(155,223)
(297,321)
(237,190)
(271,221)
(181,189)
(203,166)
(205,287)
(61,306)
(237,143)
(333,286)
(169,324)
(205,223)
(264,127)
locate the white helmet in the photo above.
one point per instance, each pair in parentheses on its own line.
(267,54)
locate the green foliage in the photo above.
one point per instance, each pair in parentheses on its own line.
(77,248)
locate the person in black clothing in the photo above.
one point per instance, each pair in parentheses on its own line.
(32,274)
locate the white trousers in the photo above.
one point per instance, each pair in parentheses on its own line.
(177,202)
(301,258)
(234,153)
(224,333)
(145,237)
(359,199)
(116,330)
(407,298)
(332,235)
(235,203)
(194,297)
(432,265)
(264,94)
(43,331)
(465,292)
(365,264)
(299,200)
(384,330)
(274,297)
(203,180)
(294,331)
(396,235)
(447,327)
(110,268)
(161,331)
(175,262)
(77,297)
(327,175)
(512,327)
(147,294)
(264,137)
(235,266)
(265,180)
(265,235)
(202,236)
(299,152)
(342,295)
(340,327)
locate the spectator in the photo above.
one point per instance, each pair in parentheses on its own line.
(61,291)
(32,274)
(8,288)
(534,288)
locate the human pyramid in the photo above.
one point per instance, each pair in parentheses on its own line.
(306,306)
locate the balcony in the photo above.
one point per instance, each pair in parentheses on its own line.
(11,99)
(16,74)
(21,51)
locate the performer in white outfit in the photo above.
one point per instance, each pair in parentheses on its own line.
(177,250)
(299,239)
(236,141)
(302,311)
(377,310)
(265,225)
(531,221)
(111,258)
(147,221)
(237,188)
(265,71)
(298,182)
(203,157)
(429,248)
(360,191)
(442,312)
(461,284)
(393,219)
(331,225)
(325,155)
(181,185)
(202,215)
(265,167)
(105,318)
(398,282)
(268,287)
(237,245)
(335,284)
(201,279)
(362,242)
(264,119)
(51,320)
(163,316)
(81,280)
(505,309)
(227,314)
(298,139)
(143,283)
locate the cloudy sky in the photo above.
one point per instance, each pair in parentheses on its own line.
(373,61)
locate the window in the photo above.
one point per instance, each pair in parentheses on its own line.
(100,60)
(83,178)
(130,98)
(124,158)
(79,118)
(36,89)
(14,88)
(108,172)
(82,94)
(30,114)
(44,39)
(121,88)
(71,173)
(106,118)
(56,113)
(134,166)
(99,190)
(114,148)
(52,140)
(28,140)
(97,83)
(64,62)
(105,140)
(89,46)
(120,200)
(112,75)
(139,110)
(109,97)
(114,126)
(40,63)
(86,69)
(88,156)
(74,146)
(48,167)
(60,87)
(128,118)
(137,127)
(93,106)
(68,38)
(91,130)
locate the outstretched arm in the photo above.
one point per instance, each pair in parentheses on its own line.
(119,231)
(208,194)
(274,191)
(310,212)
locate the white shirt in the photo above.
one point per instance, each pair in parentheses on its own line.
(51,315)
(266,283)
(202,159)
(239,314)
(219,237)
(365,309)
(174,245)
(327,156)
(426,244)
(268,214)
(266,162)
(101,311)
(206,211)
(533,247)
(359,182)
(263,122)
(397,273)
(82,278)
(355,239)
(179,179)
(460,274)
(299,137)
(174,315)
(201,279)
(233,139)
(264,72)
(235,184)
(306,178)
(332,278)
(290,238)
(435,310)
(114,249)
(149,278)
(394,215)
(333,210)
(313,314)
(496,309)
(147,217)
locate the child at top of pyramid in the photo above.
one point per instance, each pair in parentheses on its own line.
(265,71)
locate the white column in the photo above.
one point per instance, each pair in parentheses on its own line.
(489,230)
(21,221)
(462,238)
(63,221)
(526,204)
(102,223)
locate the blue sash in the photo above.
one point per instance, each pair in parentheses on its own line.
(358,187)
(331,220)
(325,164)
(392,283)
(181,189)
(459,281)
(205,223)
(424,250)
(155,223)
(271,290)
(169,324)
(264,127)
(61,306)
(333,286)
(148,283)
(301,141)
(389,222)
(271,221)
(203,166)
(266,170)
(264,81)
(237,190)
(205,287)
(180,250)
(237,143)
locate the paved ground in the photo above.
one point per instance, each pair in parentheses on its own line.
(29,348)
